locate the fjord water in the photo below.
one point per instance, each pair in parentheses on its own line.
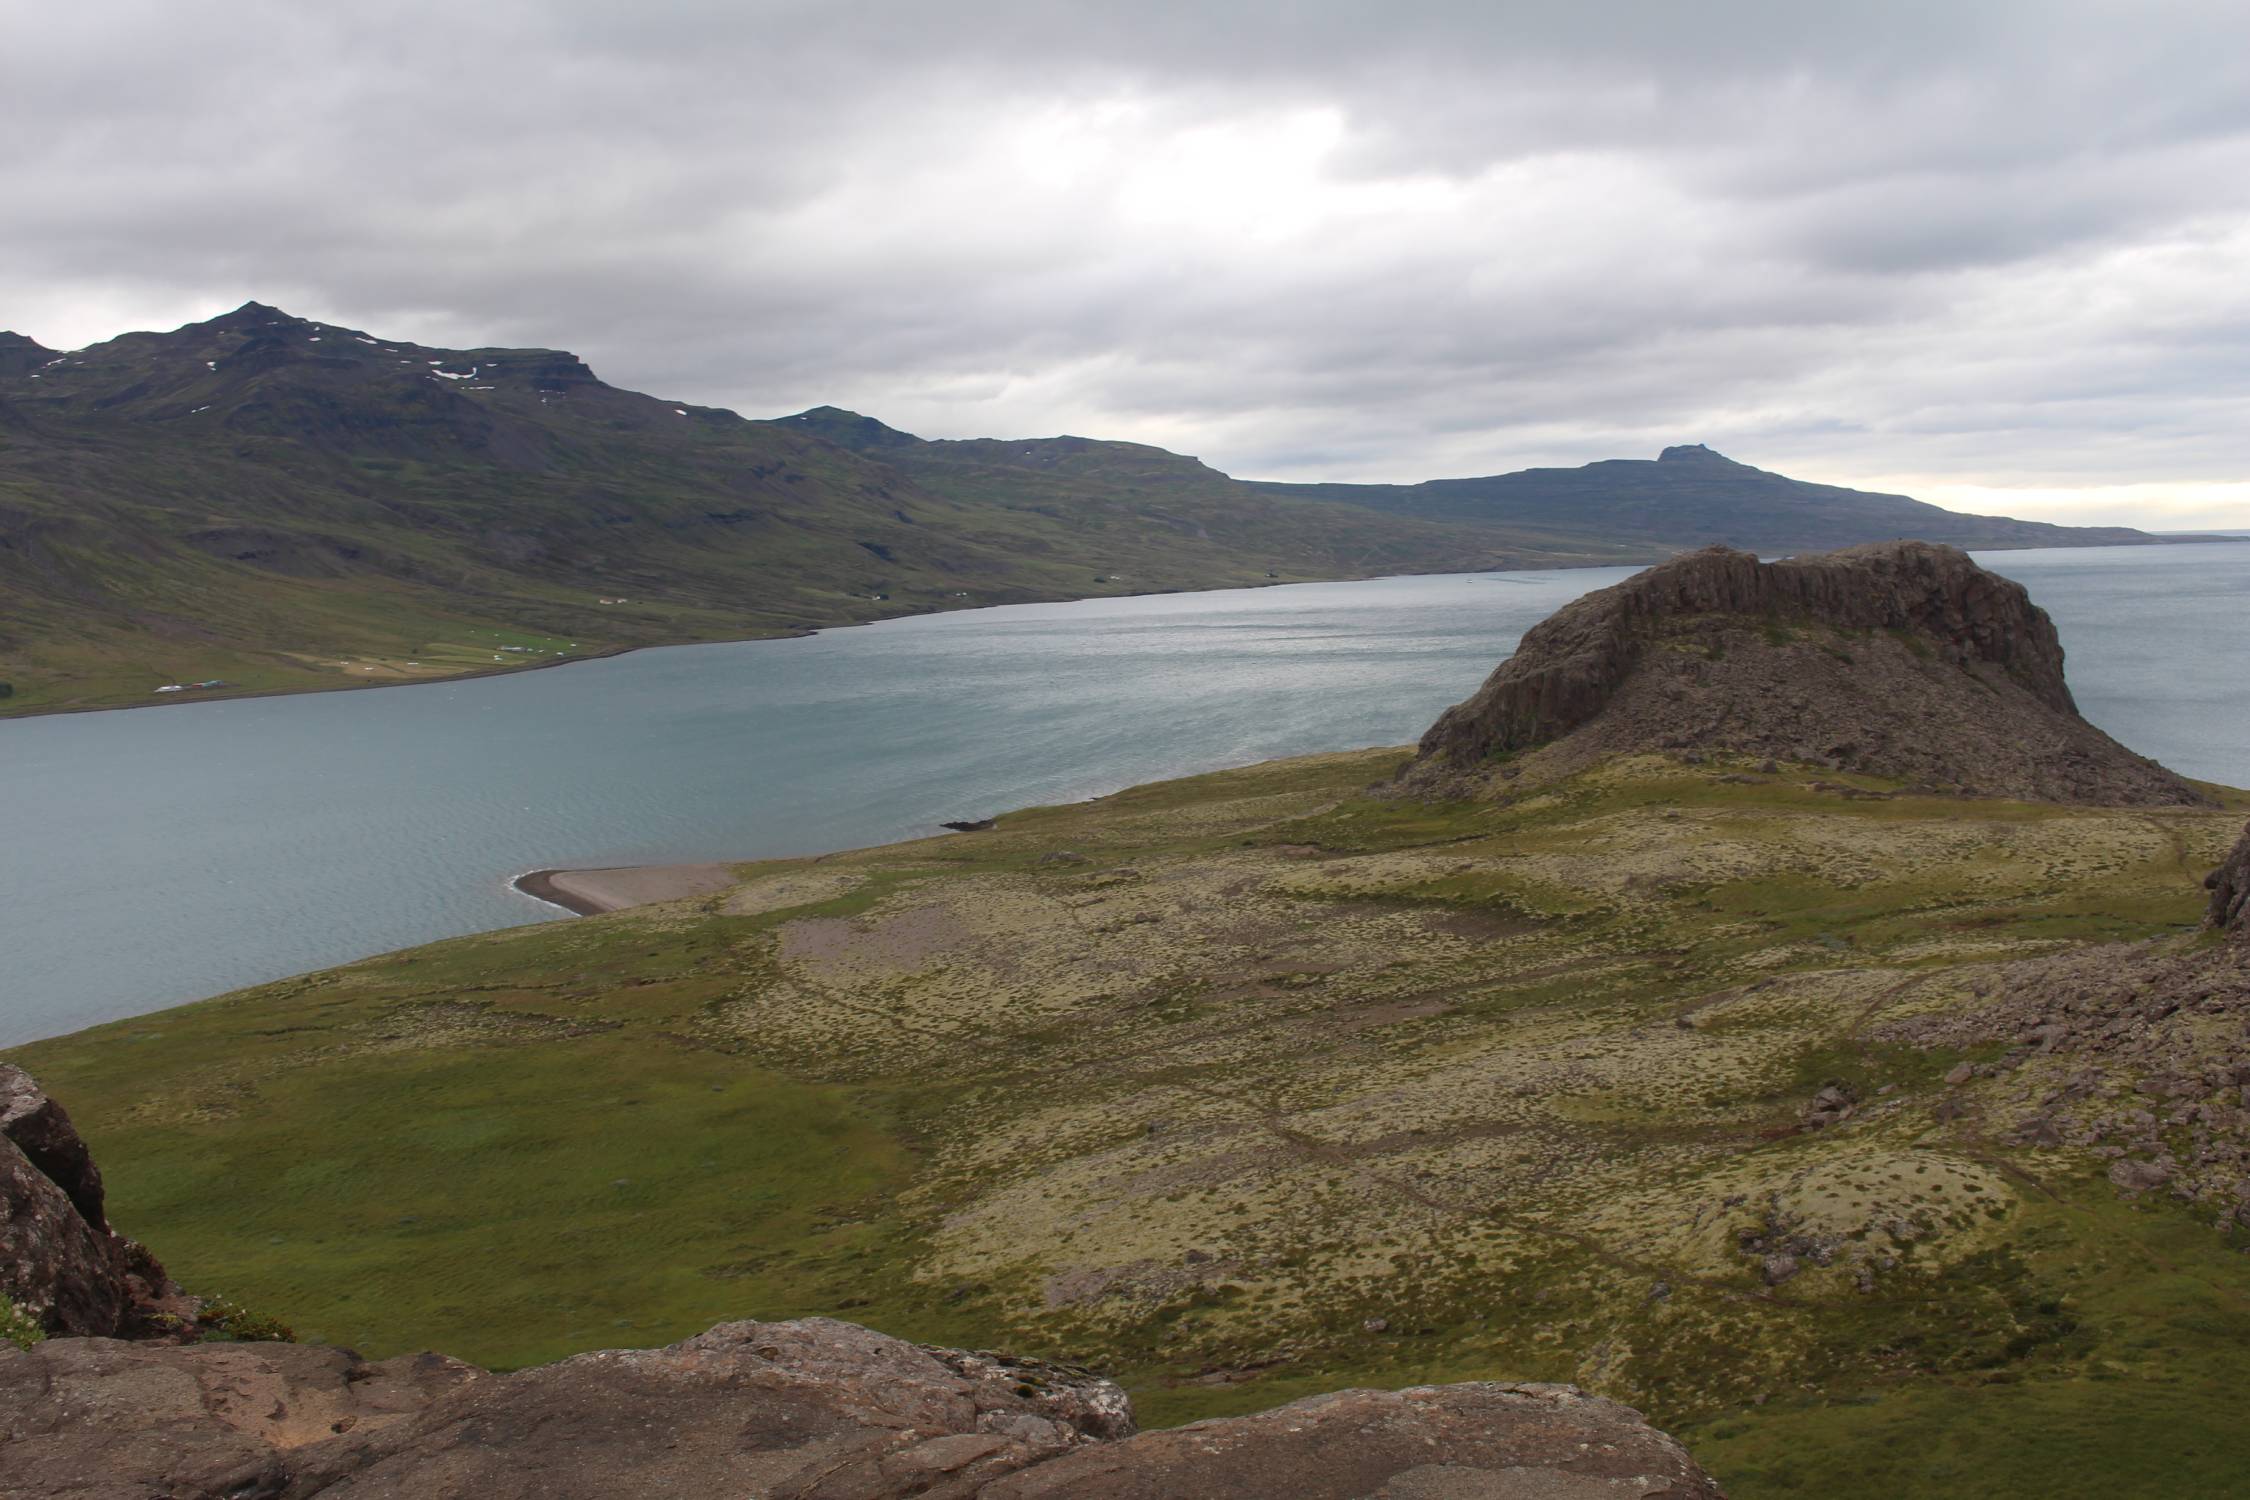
(158,856)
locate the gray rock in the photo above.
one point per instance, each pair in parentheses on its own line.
(2139,1176)
(1458,1442)
(2229,886)
(109,1418)
(810,1410)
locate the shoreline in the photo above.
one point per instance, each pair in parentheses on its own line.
(540,886)
(350,686)
(590,893)
(610,652)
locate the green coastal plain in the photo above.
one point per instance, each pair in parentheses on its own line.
(1259,1084)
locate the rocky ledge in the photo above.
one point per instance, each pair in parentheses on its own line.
(1900,659)
(808,1410)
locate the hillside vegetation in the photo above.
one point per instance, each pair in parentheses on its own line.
(270,504)
(1252,1085)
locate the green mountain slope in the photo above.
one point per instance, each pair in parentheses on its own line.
(272,504)
(284,504)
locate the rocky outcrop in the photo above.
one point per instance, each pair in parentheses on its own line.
(2132,1052)
(2229,886)
(59,1259)
(86,1417)
(1451,1442)
(810,1410)
(1902,659)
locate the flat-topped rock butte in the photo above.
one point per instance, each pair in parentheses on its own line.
(1900,659)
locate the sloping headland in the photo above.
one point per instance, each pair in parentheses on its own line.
(261,503)
(1871,1115)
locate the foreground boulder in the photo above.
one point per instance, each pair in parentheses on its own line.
(810,1410)
(1900,659)
(59,1260)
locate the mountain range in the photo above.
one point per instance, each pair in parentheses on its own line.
(263,503)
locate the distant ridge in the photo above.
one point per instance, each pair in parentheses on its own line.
(265,503)
(1689,496)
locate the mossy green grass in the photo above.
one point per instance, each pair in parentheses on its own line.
(1252,1085)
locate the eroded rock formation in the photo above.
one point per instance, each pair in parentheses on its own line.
(59,1259)
(1900,659)
(809,1410)
(2230,891)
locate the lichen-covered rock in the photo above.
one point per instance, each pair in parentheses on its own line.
(1902,659)
(59,1259)
(1479,1441)
(2230,891)
(809,1410)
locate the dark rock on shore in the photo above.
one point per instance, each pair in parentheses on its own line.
(59,1259)
(969,825)
(1900,659)
(809,1410)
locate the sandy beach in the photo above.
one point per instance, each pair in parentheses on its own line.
(588,892)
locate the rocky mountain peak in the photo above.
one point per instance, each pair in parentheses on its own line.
(249,317)
(1901,659)
(2230,892)
(20,355)
(848,429)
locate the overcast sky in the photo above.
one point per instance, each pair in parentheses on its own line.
(1994,254)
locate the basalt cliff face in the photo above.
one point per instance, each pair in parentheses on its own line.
(1900,659)
(805,1410)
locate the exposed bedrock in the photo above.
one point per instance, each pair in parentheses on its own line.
(59,1260)
(1901,659)
(809,1410)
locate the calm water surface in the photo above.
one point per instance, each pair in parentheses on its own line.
(159,856)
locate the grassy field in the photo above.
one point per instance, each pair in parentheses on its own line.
(1252,1085)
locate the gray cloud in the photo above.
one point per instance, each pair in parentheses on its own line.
(1944,245)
